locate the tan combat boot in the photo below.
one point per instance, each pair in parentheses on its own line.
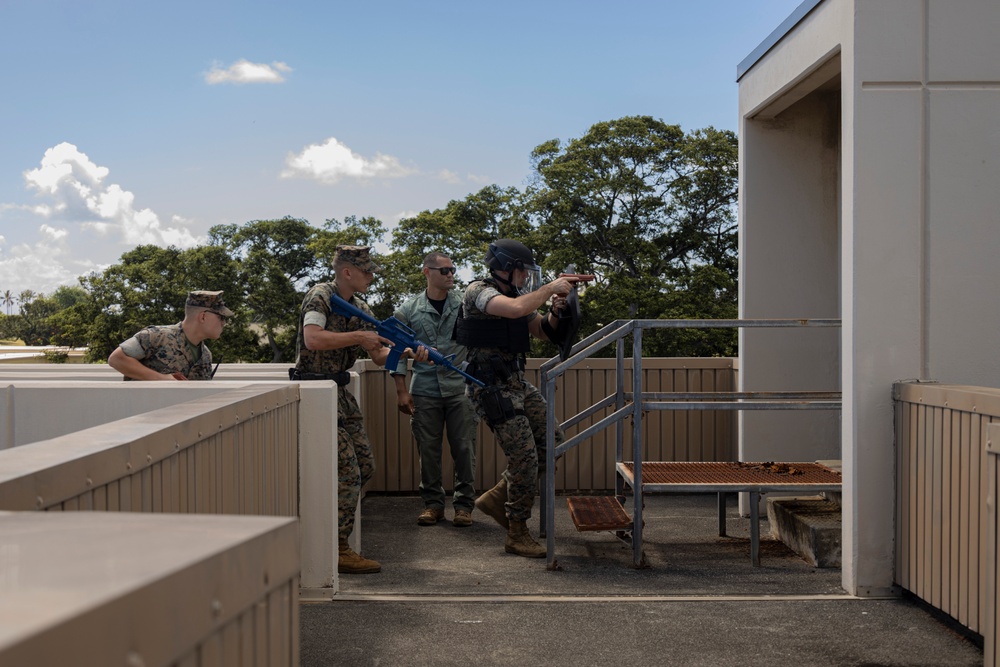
(492,503)
(519,542)
(351,562)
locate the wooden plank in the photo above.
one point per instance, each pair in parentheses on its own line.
(227,471)
(903,501)
(965,525)
(937,444)
(156,487)
(924,475)
(950,492)
(977,546)
(230,644)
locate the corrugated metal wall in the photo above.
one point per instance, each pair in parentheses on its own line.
(991,593)
(941,488)
(235,452)
(701,435)
(266,632)
(232,453)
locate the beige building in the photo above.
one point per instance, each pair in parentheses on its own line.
(869,153)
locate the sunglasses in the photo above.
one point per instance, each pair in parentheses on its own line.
(445,270)
(219,315)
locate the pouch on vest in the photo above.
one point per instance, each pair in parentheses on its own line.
(497,407)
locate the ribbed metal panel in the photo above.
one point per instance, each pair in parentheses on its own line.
(150,590)
(991,592)
(942,483)
(234,453)
(696,435)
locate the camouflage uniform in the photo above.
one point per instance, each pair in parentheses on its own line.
(355,461)
(166,349)
(521,438)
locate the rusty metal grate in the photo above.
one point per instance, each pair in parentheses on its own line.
(598,513)
(735,473)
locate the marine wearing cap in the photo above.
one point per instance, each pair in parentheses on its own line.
(356,255)
(209,301)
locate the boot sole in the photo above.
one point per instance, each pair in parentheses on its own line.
(365,571)
(505,522)
(514,551)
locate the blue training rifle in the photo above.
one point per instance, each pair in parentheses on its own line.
(402,337)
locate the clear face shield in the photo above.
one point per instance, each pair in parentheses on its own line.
(532,280)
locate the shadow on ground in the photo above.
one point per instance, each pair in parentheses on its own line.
(451,596)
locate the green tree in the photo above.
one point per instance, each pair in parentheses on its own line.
(7,299)
(462,230)
(67,296)
(32,325)
(277,262)
(149,286)
(366,231)
(651,211)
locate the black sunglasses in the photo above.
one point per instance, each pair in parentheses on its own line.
(445,270)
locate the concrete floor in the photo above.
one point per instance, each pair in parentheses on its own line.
(451,596)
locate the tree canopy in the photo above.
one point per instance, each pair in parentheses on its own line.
(646,207)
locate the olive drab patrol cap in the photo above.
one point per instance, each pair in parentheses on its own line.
(358,256)
(210,301)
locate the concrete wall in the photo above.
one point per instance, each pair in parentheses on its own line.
(790,269)
(32,411)
(919,90)
(100,588)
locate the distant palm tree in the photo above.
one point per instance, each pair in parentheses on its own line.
(7,299)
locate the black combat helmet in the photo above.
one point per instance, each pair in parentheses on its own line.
(507,255)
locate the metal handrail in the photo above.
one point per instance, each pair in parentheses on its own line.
(625,405)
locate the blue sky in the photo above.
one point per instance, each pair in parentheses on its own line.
(127,122)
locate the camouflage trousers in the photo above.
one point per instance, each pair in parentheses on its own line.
(522,439)
(355,461)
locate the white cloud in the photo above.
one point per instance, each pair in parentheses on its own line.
(244,71)
(481,180)
(53,234)
(331,161)
(449,176)
(46,244)
(41,267)
(80,195)
(404,215)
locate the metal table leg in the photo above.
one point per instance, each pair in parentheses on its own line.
(754,528)
(722,513)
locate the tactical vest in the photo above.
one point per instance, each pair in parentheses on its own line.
(509,335)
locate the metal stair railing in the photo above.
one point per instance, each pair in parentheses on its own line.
(626,405)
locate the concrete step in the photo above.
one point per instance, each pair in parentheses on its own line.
(809,526)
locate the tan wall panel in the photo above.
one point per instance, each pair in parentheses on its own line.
(185,458)
(669,435)
(190,596)
(991,592)
(941,527)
